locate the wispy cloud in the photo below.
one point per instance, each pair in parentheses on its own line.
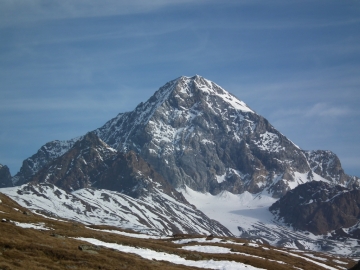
(23,11)
(318,110)
(20,11)
(326,110)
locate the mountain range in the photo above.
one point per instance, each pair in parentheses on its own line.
(191,137)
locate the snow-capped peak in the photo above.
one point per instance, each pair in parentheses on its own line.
(211,88)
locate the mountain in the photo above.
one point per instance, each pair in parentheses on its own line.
(319,208)
(5,176)
(195,133)
(190,135)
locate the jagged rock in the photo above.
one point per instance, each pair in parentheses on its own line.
(327,164)
(319,208)
(92,163)
(5,177)
(130,174)
(79,166)
(44,156)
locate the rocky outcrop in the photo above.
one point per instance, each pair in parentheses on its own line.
(132,175)
(78,167)
(328,165)
(92,163)
(5,177)
(44,156)
(319,208)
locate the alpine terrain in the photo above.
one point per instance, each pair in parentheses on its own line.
(195,159)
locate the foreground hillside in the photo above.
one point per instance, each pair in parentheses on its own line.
(32,241)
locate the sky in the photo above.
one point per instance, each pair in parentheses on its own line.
(67,67)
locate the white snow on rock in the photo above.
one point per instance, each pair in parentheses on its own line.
(221,178)
(269,142)
(157,214)
(213,89)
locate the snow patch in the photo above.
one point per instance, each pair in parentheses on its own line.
(39,226)
(162,256)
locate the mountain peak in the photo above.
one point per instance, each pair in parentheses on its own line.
(205,88)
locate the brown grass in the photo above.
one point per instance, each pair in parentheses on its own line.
(56,249)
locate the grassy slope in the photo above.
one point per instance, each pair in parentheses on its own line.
(55,249)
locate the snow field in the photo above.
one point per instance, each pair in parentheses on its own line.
(249,213)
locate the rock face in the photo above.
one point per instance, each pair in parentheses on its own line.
(92,163)
(319,208)
(5,177)
(194,133)
(78,167)
(327,165)
(44,155)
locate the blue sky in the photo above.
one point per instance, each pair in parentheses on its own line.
(66,67)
